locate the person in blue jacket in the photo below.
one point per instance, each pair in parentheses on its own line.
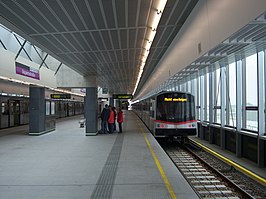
(104,116)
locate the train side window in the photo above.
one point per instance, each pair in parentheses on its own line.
(4,109)
(52,108)
(24,107)
(48,108)
(152,107)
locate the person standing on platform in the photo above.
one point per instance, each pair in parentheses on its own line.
(120,119)
(114,109)
(111,120)
(105,116)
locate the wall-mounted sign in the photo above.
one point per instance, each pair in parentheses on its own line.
(60,96)
(103,99)
(122,96)
(27,71)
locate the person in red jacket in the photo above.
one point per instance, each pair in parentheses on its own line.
(111,120)
(120,119)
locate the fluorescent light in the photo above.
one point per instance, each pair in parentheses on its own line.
(148,45)
(161,5)
(152,35)
(146,53)
(157,16)
(155,21)
(36,84)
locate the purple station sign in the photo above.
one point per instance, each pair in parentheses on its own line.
(27,71)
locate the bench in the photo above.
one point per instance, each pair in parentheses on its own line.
(82,123)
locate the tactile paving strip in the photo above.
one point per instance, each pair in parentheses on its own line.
(105,183)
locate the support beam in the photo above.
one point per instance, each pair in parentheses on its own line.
(223,103)
(239,99)
(261,107)
(21,48)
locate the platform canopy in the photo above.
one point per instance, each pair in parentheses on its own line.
(104,38)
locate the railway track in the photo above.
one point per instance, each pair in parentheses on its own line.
(210,177)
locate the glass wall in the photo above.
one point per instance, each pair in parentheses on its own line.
(251,93)
(231,121)
(217,97)
(189,86)
(205,85)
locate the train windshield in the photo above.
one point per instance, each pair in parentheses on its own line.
(175,107)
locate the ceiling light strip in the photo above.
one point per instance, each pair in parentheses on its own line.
(36,84)
(147,45)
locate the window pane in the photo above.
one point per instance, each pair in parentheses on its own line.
(232,94)
(189,86)
(251,92)
(47,107)
(251,80)
(52,108)
(252,120)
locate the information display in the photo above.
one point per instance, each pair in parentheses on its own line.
(122,96)
(60,96)
(172,99)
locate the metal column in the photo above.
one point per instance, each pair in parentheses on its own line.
(261,107)
(223,104)
(239,99)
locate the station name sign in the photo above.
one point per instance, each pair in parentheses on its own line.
(27,71)
(60,96)
(171,99)
(122,96)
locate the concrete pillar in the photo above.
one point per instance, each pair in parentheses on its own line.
(37,111)
(91,113)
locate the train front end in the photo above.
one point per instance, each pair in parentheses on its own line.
(175,115)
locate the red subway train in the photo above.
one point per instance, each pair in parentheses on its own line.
(168,114)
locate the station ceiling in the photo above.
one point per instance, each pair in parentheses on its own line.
(102,38)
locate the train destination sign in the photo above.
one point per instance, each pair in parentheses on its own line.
(60,96)
(171,99)
(122,96)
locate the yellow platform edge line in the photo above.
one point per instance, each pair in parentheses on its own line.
(232,163)
(165,179)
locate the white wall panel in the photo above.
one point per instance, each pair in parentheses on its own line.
(7,68)
(210,23)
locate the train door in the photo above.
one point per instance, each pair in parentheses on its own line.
(24,112)
(14,113)
(66,110)
(152,114)
(4,113)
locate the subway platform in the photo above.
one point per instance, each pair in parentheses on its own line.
(67,164)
